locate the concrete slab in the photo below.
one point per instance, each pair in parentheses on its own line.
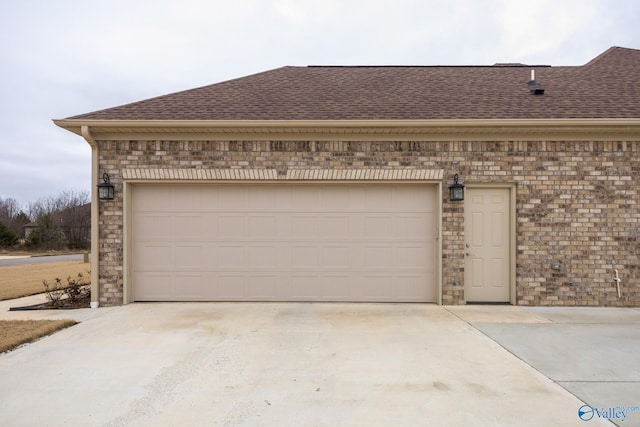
(573,352)
(78,315)
(599,315)
(593,352)
(622,397)
(276,364)
(495,313)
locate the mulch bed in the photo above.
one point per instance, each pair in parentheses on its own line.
(62,305)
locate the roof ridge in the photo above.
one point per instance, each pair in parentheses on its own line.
(607,53)
(502,65)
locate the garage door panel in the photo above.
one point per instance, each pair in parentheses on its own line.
(231,198)
(380,227)
(261,257)
(334,227)
(411,288)
(337,288)
(282,257)
(284,242)
(231,256)
(305,287)
(357,200)
(154,286)
(380,287)
(307,197)
(406,200)
(304,227)
(263,227)
(188,256)
(153,256)
(153,227)
(210,201)
(410,227)
(189,286)
(378,201)
(410,256)
(305,257)
(210,229)
(335,257)
(154,198)
(263,201)
(187,227)
(339,196)
(227,286)
(232,227)
(377,257)
(188,198)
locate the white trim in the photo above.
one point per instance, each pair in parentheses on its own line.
(95,220)
(513,237)
(303,176)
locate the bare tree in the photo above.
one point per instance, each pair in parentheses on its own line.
(12,216)
(9,208)
(63,220)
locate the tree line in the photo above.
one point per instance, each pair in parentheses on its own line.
(52,223)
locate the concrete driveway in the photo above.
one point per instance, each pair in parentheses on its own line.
(593,352)
(284,364)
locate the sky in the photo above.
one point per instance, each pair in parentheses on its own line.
(67,57)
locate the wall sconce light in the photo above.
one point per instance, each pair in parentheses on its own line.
(456,191)
(105,189)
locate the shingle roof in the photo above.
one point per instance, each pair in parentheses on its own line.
(606,87)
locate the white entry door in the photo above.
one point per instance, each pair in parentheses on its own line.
(487,269)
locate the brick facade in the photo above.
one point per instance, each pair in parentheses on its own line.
(577,203)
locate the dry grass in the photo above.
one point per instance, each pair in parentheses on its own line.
(16,332)
(23,280)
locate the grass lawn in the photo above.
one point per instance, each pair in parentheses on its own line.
(23,280)
(16,332)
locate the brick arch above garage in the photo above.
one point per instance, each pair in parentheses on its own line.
(263,174)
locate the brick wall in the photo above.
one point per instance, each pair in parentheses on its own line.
(577,204)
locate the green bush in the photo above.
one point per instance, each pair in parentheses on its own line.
(7,238)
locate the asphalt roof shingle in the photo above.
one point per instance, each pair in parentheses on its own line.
(606,87)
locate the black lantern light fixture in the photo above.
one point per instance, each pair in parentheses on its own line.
(456,191)
(105,189)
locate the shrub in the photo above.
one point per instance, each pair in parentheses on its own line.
(72,294)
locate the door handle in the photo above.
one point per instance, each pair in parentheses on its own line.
(467,253)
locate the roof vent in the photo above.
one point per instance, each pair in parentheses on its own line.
(534,87)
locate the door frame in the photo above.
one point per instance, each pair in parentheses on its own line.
(512,231)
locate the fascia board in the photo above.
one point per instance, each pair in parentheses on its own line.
(367,129)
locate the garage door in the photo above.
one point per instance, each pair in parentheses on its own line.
(283,242)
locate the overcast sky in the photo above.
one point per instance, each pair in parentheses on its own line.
(66,57)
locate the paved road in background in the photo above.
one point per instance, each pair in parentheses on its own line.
(39,259)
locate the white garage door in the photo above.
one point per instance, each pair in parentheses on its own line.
(284,242)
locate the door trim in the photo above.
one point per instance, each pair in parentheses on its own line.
(128,185)
(512,232)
